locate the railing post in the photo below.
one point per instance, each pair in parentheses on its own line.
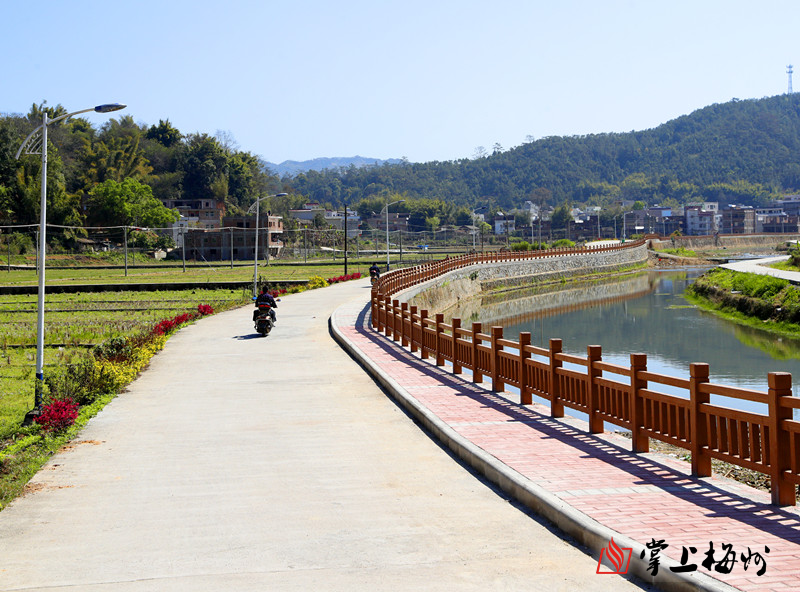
(387,326)
(395,329)
(374,315)
(379,312)
(640,440)
(556,406)
(701,462)
(477,375)
(414,342)
(498,385)
(594,354)
(403,316)
(782,490)
(439,352)
(525,391)
(423,314)
(456,360)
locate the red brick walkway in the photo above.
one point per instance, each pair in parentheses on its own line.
(646,498)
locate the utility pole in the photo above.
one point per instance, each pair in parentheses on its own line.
(345,239)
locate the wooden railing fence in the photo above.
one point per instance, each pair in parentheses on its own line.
(769,444)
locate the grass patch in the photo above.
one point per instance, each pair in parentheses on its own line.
(731,314)
(785,265)
(759,301)
(679,252)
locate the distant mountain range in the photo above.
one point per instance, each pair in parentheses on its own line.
(293,167)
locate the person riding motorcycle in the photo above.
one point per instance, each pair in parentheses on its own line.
(374,271)
(266,298)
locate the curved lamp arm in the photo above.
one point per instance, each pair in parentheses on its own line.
(107,108)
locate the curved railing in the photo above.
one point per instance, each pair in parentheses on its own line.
(768,444)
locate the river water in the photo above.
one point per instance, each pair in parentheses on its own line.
(645,313)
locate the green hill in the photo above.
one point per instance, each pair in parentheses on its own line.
(743,151)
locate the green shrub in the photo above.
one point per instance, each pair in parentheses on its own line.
(521,246)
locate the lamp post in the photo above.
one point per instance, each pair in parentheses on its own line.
(36,143)
(624,225)
(250,210)
(598,223)
(387,229)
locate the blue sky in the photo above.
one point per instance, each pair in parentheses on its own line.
(426,80)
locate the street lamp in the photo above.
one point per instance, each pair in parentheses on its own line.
(387,229)
(624,225)
(255,207)
(36,143)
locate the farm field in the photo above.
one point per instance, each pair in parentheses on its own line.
(172,273)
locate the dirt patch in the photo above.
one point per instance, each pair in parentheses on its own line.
(73,445)
(31,488)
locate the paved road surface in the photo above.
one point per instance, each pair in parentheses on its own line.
(762,267)
(243,463)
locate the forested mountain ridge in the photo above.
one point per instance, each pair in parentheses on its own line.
(740,151)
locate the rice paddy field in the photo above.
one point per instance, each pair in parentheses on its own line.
(171,272)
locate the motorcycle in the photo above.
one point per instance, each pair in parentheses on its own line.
(373,276)
(264,324)
(263,319)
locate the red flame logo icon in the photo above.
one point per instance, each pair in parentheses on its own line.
(618,557)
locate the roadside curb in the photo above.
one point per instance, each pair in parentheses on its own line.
(569,520)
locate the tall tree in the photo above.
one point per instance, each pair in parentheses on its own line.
(164,133)
(129,202)
(205,168)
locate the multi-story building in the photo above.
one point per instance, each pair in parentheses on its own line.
(305,215)
(790,205)
(397,221)
(738,220)
(236,239)
(700,222)
(207,212)
(503,223)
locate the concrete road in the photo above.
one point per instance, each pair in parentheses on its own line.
(244,463)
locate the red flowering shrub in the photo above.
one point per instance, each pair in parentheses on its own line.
(344,278)
(57,415)
(168,325)
(204,309)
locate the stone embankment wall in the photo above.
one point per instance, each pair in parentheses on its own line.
(725,240)
(449,289)
(546,301)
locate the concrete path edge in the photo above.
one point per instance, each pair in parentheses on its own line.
(574,523)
